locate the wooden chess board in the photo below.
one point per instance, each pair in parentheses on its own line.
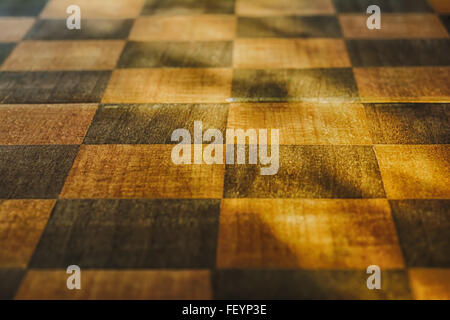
(86,176)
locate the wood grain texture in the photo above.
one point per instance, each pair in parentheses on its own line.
(52,87)
(139,171)
(117,9)
(130,234)
(169,86)
(98,29)
(386,53)
(364,165)
(288,27)
(287,53)
(385,5)
(310,172)
(21,226)
(401,84)
(5,50)
(394,26)
(446,22)
(45,124)
(415,171)
(409,123)
(34,171)
(64,55)
(207,54)
(423,219)
(417,220)
(440,6)
(207,27)
(187,7)
(304,123)
(430,284)
(152,123)
(10,280)
(307,284)
(315,85)
(309,234)
(21,8)
(14,29)
(283,7)
(128,285)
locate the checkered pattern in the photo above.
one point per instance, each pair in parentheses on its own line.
(87,178)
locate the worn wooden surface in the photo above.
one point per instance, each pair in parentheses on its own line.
(64,55)
(10,279)
(207,27)
(105,29)
(446,21)
(34,171)
(401,84)
(409,123)
(187,7)
(395,26)
(306,234)
(5,50)
(441,6)
(117,9)
(388,53)
(286,53)
(86,175)
(304,123)
(166,234)
(283,7)
(169,86)
(310,172)
(415,171)
(52,87)
(430,284)
(423,219)
(45,124)
(306,284)
(405,6)
(21,8)
(321,85)
(21,226)
(139,171)
(152,123)
(288,27)
(128,285)
(14,29)
(177,54)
